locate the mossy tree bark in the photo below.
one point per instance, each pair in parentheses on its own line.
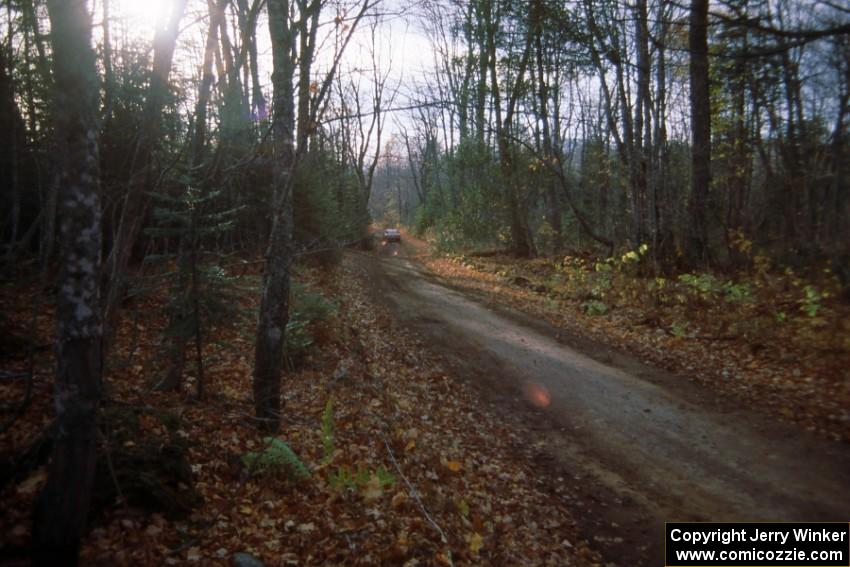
(63,505)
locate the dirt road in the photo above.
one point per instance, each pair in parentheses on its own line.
(629,446)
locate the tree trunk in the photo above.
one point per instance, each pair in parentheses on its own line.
(108,72)
(521,238)
(62,507)
(274,303)
(12,123)
(553,203)
(663,246)
(247,25)
(30,25)
(197,143)
(141,176)
(642,124)
(309,10)
(483,67)
(700,130)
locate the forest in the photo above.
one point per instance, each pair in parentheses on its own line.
(208,352)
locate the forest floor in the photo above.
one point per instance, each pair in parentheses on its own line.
(407,465)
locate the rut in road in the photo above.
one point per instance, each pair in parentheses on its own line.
(638,447)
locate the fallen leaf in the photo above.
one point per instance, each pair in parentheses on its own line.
(194,554)
(33,483)
(373,490)
(399,499)
(475,541)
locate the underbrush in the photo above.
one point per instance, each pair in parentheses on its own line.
(769,334)
(767,306)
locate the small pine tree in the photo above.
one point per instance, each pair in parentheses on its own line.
(202,293)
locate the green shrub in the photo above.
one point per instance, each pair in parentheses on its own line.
(307,307)
(594,307)
(736,292)
(811,304)
(703,284)
(276,458)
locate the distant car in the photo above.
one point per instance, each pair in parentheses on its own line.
(392,235)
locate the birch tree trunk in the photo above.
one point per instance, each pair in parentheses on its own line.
(63,505)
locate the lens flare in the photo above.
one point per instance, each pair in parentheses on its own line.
(538,395)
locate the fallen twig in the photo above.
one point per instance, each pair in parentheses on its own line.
(414,493)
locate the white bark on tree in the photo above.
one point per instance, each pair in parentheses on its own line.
(62,507)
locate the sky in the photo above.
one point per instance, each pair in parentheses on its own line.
(403,50)
(401,45)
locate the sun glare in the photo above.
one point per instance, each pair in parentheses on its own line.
(144,13)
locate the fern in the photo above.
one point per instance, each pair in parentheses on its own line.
(385,477)
(345,478)
(342,478)
(275,457)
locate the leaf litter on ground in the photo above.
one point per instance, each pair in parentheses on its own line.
(433,478)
